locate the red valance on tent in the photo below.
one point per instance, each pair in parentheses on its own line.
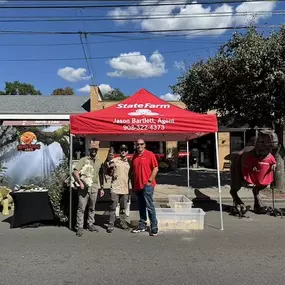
(146,116)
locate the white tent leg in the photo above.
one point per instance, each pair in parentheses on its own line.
(219,181)
(188,169)
(188,166)
(70,185)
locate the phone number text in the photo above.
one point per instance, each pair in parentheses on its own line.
(143,127)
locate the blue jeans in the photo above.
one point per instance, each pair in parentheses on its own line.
(145,203)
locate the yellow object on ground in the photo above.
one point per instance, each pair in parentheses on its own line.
(6,200)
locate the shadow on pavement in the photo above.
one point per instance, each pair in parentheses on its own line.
(8,220)
(199,178)
(207,204)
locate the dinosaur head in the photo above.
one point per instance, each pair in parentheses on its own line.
(266,142)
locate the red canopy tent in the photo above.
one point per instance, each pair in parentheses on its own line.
(146,116)
(143,115)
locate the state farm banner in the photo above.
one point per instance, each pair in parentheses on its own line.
(143,114)
(143,117)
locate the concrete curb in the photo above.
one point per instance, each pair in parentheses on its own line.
(227,200)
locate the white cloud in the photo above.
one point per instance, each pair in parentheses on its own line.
(104,88)
(254,7)
(170,97)
(84,89)
(126,13)
(73,75)
(180,65)
(195,16)
(136,65)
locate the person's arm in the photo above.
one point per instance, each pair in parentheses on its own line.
(154,167)
(131,183)
(273,164)
(76,171)
(101,180)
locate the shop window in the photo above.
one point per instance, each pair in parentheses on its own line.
(236,141)
(182,146)
(78,148)
(155,147)
(116,145)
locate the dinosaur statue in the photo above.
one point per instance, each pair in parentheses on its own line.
(254,167)
(6,200)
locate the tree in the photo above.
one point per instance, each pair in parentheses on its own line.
(244,82)
(63,91)
(115,95)
(19,88)
(8,142)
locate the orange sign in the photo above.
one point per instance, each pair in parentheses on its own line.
(28,142)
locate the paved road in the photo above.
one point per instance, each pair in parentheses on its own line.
(248,251)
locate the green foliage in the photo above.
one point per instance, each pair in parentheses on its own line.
(163,166)
(63,91)
(2,173)
(57,186)
(19,88)
(4,179)
(8,142)
(115,95)
(244,82)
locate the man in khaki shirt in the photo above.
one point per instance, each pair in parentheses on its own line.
(88,173)
(120,184)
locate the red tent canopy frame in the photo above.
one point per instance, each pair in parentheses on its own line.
(145,116)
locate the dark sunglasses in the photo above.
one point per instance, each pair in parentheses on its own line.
(123,149)
(140,143)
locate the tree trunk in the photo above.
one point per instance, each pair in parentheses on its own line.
(280,170)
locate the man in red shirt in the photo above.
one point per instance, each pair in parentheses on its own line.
(145,169)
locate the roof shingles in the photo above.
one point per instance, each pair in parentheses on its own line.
(56,104)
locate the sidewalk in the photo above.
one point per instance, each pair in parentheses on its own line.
(203,185)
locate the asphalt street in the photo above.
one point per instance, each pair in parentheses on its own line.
(248,251)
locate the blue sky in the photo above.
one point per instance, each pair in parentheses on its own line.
(150,61)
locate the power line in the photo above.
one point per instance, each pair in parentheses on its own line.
(174,38)
(156,14)
(110,41)
(4,6)
(96,1)
(8,32)
(89,63)
(184,16)
(101,57)
(89,66)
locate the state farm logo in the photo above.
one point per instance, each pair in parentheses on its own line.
(28,142)
(143,112)
(142,106)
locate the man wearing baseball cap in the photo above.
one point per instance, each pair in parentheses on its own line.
(119,170)
(88,173)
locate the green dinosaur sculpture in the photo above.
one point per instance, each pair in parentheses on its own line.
(6,200)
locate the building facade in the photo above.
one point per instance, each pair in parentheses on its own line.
(44,110)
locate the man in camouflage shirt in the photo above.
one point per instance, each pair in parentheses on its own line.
(119,169)
(88,173)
